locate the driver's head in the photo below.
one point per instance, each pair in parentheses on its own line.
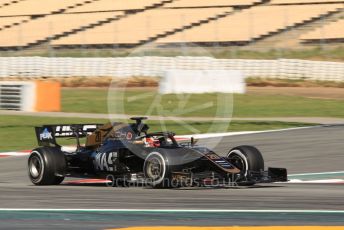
(151,142)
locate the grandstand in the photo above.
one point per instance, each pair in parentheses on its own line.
(212,3)
(252,24)
(134,29)
(111,5)
(38,7)
(6,22)
(333,31)
(57,24)
(42,28)
(299,2)
(103,23)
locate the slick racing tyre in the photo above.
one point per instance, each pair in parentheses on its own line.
(157,171)
(246,158)
(46,166)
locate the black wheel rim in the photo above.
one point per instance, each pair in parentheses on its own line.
(238,162)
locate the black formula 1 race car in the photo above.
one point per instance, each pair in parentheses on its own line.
(127,153)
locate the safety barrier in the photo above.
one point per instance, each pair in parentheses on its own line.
(207,81)
(31,96)
(17,96)
(155,67)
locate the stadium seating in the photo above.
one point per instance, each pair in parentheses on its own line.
(42,28)
(95,22)
(5,2)
(9,21)
(303,1)
(141,26)
(332,31)
(207,3)
(251,24)
(112,5)
(34,7)
(8,2)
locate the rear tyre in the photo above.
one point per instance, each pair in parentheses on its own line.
(246,158)
(156,170)
(46,166)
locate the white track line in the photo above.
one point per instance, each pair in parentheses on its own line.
(314,180)
(180,210)
(15,154)
(319,173)
(325,181)
(211,135)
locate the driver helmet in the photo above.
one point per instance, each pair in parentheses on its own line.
(151,142)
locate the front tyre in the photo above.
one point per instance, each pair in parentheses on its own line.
(46,166)
(246,158)
(156,170)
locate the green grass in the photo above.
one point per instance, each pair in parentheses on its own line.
(245,105)
(316,53)
(84,100)
(275,82)
(17,132)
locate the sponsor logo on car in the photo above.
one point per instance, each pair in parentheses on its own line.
(104,161)
(45,135)
(66,130)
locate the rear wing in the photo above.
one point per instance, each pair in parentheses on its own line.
(46,135)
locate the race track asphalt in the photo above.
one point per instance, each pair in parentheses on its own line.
(317,149)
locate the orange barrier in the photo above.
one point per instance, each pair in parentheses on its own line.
(48,96)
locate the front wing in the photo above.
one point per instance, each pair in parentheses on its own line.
(211,178)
